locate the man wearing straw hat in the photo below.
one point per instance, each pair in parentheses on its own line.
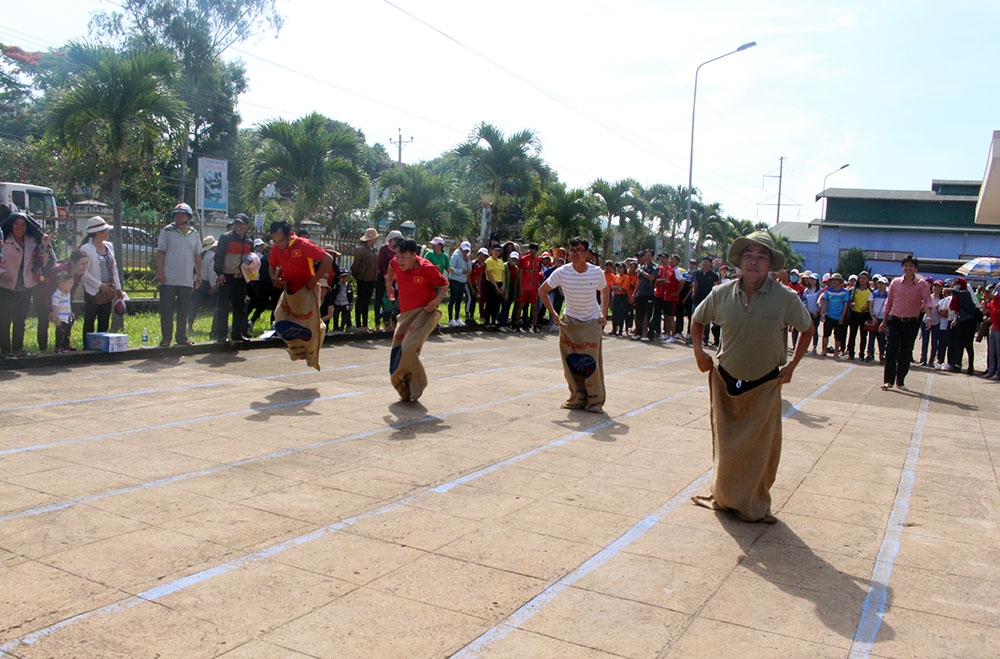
(753,311)
(364,269)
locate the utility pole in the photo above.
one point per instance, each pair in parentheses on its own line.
(781,168)
(400,143)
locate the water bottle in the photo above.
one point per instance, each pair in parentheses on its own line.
(145,337)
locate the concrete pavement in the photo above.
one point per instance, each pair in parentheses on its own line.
(239,505)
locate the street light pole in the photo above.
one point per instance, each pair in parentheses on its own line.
(694,102)
(819,257)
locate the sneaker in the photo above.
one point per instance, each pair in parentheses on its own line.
(671,339)
(645,338)
(459,322)
(451,323)
(634,337)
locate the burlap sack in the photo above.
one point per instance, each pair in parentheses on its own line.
(583,365)
(405,370)
(297,321)
(746,447)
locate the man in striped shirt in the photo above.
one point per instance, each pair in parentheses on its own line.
(582,327)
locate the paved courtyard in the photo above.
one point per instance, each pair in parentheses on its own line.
(241,505)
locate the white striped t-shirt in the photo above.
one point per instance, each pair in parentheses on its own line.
(580,290)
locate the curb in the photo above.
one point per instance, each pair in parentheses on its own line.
(83,357)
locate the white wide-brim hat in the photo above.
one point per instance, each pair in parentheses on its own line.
(96,224)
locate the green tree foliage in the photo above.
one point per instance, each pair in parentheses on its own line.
(563,214)
(118,109)
(852,262)
(306,156)
(426,199)
(617,201)
(512,165)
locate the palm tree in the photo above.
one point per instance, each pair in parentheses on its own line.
(703,217)
(563,214)
(117,107)
(429,200)
(306,155)
(505,161)
(616,200)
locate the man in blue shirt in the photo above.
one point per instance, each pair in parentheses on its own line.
(833,309)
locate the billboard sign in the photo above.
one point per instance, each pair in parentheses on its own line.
(213,184)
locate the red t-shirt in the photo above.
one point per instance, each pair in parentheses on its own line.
(296,261)
(416,286)
(993,308)
(798,288)
(531,273)
(476,273)
(672,287)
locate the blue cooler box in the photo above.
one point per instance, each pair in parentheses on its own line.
(106,342)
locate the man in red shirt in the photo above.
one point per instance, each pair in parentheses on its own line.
(291,262)
(421,289)
(670,292)
(292,266)
(476,298)
(531,279)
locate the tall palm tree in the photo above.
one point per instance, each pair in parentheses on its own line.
(306,155)
(504,161)
(429,200)
(616,200)
(563,214)
(116,107)
(703,217)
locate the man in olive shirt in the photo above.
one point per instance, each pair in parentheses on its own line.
(754,312)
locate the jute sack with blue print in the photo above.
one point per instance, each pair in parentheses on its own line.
(583,365)
(297,321)
(405,370)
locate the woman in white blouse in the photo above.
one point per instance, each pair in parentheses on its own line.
(101,285)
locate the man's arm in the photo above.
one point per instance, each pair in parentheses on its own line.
(390,276)
(888,309)
(605,301)
(324,269)
(805,338)
(703,359)
(543,295)
(160,275)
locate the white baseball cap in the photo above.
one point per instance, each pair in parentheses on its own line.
(514,255)
(437,240)
(483,250)
(466,246)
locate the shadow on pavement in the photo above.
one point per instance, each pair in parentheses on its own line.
(292,402)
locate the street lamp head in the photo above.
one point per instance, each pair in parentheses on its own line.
(750,44)
(844,166)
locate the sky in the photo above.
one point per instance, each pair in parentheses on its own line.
(903,91)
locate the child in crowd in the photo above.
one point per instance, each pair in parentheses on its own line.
(62,312)
(343,302)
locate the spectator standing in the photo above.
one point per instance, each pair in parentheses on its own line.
(946,315)
(383,305)
(459,267)
(531,279)
(365,271)
(511,287)
(963,327)
(206,291)
(879,298)
(477,278)
(233,249)
(671,294)
(644,289)
(437,256)
(991,303)
(705,279)
(931,334)
(27,253)
(41,295)
(859,313)
(811,293)
(178,269)
(493,286)
(909,297)
(101,285)
(833,308)
(621,291)
(61,305)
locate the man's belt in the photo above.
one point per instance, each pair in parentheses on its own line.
(735,387)
(907,319)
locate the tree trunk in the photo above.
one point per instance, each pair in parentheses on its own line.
(116,214)
(182,184)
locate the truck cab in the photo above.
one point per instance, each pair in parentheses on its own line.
(38,201)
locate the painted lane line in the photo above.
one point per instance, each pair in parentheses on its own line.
(557,587)
(167,480)
(873,610)
(201,576)
(220,383)
(302,401)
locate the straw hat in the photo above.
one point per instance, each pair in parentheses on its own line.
(370,234)
(96,224)
(762,238)
(208,242)
(331,249)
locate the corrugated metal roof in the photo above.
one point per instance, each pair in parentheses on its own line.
(896,195)
(797,232)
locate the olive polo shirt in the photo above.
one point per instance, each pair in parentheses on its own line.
(752,343)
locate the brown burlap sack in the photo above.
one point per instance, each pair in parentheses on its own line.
(297,321)
(405,370)
(583,365)
(746,447)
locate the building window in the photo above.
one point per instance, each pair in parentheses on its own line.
(881,255)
